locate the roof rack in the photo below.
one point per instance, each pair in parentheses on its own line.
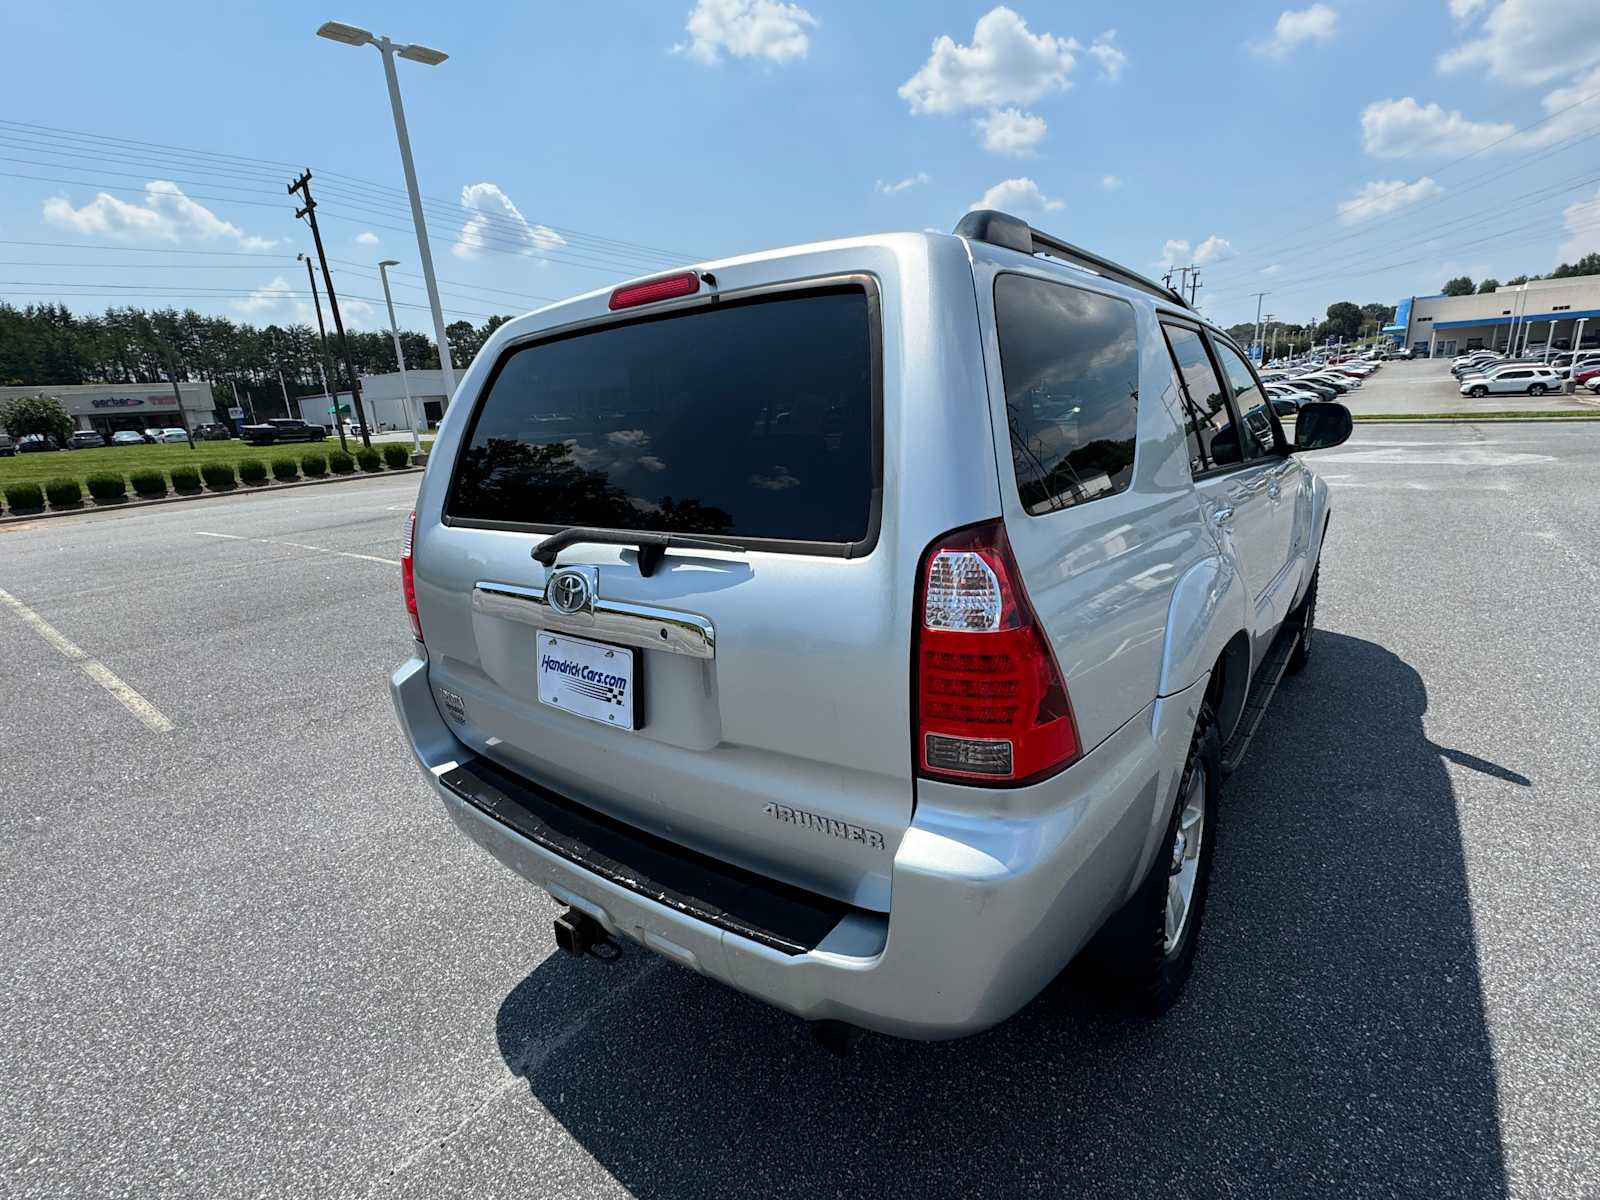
(1002,229)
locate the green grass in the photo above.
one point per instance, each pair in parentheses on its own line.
(80,464)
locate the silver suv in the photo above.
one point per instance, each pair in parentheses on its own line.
(866,625)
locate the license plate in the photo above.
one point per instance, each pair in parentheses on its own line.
(587,679)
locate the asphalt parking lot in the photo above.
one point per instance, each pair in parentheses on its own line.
(1426,386)
(244,954)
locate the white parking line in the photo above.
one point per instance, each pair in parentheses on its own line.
(93,668)
(234,537)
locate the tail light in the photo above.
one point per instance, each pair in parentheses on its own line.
(668,287)
(408,583)
(991,703)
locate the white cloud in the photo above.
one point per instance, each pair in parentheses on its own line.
(1011,131)
(367,238)
(1111,182)
(1582,221)
(900,185)
(1005,64)
(1177,252)
(1405,129)
(1016,195)
(1111,59)
(165,215)
(1384,196)
(496,223)
(1463,10)
(276,302)
(766,29)
(1527,41)
(1296,27)
(1272,270)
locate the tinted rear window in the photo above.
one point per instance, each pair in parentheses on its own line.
(752,419)
(1070,360)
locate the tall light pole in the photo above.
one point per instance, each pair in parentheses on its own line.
(400,357)
(1259,349)
(350,35)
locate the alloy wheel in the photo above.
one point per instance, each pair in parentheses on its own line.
(1184,867)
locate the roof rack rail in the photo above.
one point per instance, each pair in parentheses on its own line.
(1003,229)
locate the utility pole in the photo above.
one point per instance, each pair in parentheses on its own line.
(309,212)
(172,372)
(327,363)
(1256,340)
(1194,285)
(235,384)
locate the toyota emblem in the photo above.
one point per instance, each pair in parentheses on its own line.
(569,591)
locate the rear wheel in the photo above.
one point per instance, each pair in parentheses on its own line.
(1536,389)
(1147,948)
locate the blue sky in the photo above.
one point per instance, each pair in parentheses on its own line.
(1338,150)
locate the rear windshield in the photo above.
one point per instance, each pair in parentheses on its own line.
(752,419)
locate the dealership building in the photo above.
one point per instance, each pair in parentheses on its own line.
(383,398)
(1526,317)
(108,407)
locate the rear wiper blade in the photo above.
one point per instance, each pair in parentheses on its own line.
(651,546)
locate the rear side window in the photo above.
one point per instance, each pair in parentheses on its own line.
(1205,408)
(1070,362)
(748,418)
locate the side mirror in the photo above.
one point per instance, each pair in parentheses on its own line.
(1322,425)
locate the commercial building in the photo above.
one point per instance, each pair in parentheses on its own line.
(384,400)
(1563,314)
(108,407)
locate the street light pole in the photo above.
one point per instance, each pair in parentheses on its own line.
(400,357)
(350,35)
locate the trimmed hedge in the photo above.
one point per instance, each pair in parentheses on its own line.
(369,459)
(253,470)
(24,495)
(395,455)
(63,491)
(106,485)
(313,465)
(340,463)
(149,482)
(218,475)
(285,468)
(185,479)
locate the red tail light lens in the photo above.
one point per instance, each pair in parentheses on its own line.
(991,703)
(408,583)
(668,287)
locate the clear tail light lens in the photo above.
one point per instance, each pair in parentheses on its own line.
(407,581)
(991,702)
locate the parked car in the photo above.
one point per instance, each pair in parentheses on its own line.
(1514,379)
(85,439)
(35,443)
(1593,383)
(8,446)
(211,431)
(784,681)
(127,437)
(282,429)
(171,434)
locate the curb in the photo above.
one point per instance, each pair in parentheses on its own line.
(235,491)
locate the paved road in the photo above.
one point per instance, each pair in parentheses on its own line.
(246,956)
(1426,386)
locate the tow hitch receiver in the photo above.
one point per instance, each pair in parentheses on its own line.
(578,933)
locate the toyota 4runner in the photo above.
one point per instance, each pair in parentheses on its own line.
(866,625)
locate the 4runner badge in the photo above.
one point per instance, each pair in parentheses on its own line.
(810,820)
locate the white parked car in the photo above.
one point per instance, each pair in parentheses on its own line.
(1513,380)
(171,435)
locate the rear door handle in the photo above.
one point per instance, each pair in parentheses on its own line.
(1222,515)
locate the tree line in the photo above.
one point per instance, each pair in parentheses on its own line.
(49,344)
(1462,285)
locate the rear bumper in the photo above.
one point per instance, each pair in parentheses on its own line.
(987,907)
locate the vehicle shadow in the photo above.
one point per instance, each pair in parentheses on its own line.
(1331,1041)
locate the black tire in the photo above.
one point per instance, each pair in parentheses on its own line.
(1130,952)
(1536,389)
(1306,615)
(1479,392)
